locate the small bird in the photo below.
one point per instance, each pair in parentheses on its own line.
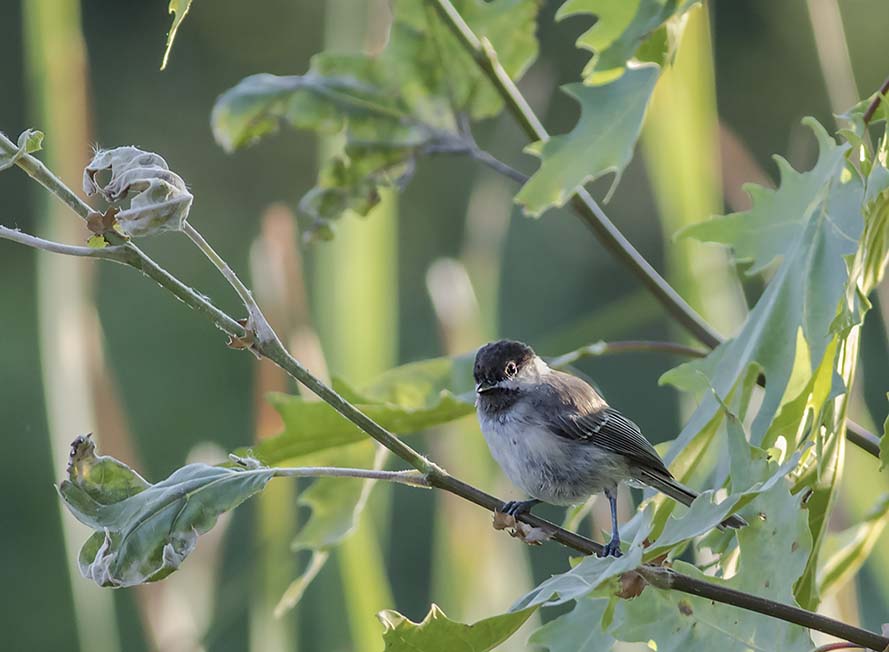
(558,440)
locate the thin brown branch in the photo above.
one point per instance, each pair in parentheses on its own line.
(584,205)
(875,103)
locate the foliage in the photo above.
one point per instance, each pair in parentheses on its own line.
(602,142)
(773,398)
(145,531)
(406,102)
(438,633)
(179,9)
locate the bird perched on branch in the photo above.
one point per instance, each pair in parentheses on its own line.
(558,440)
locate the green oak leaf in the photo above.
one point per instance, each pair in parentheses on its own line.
(179,9)
(405,400)
(602,141)
(811,223)
(29,141)
(144,531)
(774,552)
(579,630)
(438,633)
(625,29)
(391,108)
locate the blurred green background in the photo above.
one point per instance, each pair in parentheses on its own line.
(439,270)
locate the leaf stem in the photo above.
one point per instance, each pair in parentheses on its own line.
(223,267)
(115,253)
(410,478)
(35,169)
(584,205)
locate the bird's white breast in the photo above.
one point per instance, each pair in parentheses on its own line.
(545,466)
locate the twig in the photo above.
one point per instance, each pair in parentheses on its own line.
(872,108)
(410,478)
(586,207)
(628,346)
(115,253)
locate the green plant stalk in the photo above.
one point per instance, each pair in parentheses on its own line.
(55,58)
(357,320)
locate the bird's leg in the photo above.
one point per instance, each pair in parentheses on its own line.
(612,548)
(516,508)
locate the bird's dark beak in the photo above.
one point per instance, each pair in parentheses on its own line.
(485,386)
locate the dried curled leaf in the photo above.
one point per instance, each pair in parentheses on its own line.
(531,535)
(150,197)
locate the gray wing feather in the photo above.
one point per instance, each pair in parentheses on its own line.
(586,417)
(609,429)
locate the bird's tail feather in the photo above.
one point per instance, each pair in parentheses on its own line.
(683,494)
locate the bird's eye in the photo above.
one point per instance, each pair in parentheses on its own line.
(510,369)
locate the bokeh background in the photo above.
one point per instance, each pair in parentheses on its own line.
(438,270)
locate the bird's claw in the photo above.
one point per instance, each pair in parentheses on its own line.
(516,508)
(612,549)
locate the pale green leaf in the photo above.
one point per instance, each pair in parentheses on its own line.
(601,142)
(29,141)
(774,551)
(845,552)
(438,633)
(144,531)
(180,9)
(335,503)
(811,223)
(622,28)
(579,630)
(391,108)
(407,399)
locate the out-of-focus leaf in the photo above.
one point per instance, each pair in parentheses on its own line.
(438,633)
(774,551)
(29,141)
(158,197)
(602,141)
(846,551)
(143,533)
(812,222)
(335,502)
(579,630)
(625,29)
(407,399)
(392,107)
(180,9)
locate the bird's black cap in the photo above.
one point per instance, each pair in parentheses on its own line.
(492,359)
